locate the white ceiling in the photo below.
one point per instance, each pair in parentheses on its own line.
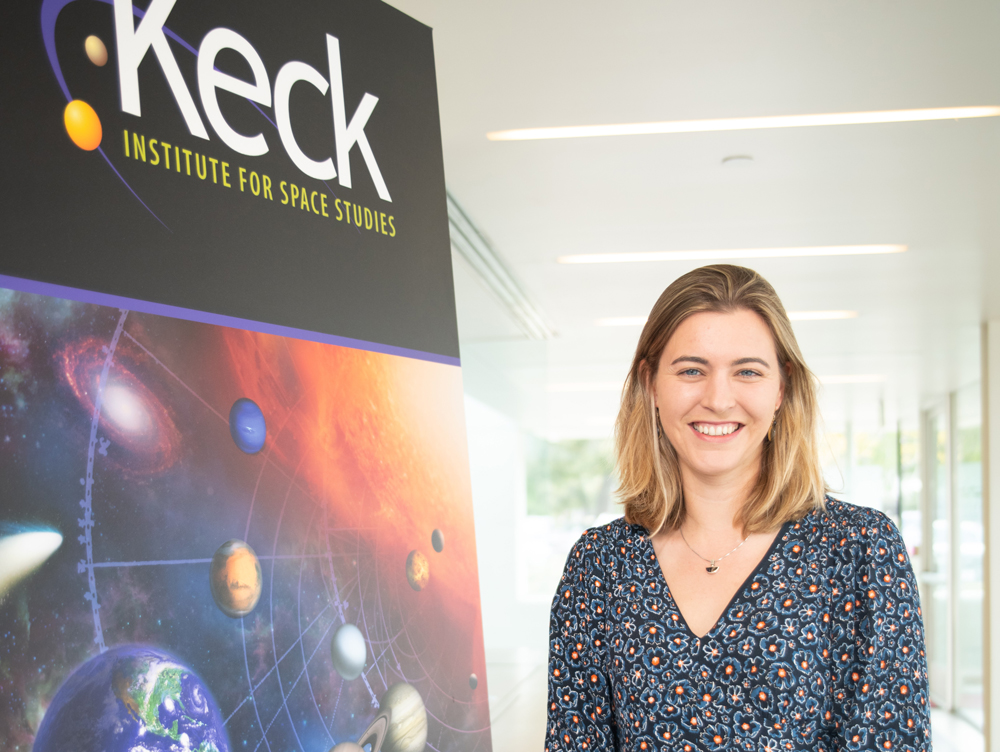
(933,186)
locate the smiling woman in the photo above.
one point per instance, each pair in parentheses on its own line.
(803,632)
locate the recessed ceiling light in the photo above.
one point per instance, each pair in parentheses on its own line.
(742,124)
(733,253)
(821,315)
(853,378)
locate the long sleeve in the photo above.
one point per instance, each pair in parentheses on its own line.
(880,699)
(580,710)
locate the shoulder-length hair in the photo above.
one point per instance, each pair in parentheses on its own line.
(790,483)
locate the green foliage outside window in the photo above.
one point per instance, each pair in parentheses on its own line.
(569,478)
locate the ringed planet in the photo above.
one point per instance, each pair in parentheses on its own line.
(408,720)
(373,735)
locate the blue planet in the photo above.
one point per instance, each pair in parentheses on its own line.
(247,426)
(132,697)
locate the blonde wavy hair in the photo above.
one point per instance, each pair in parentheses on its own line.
(790,483)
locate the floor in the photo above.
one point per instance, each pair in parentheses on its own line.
(518,696)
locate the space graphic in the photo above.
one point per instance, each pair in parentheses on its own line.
(215,539)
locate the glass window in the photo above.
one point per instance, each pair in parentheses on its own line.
(969,555)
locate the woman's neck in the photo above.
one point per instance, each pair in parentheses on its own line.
(712,507)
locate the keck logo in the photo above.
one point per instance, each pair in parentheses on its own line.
(140,35)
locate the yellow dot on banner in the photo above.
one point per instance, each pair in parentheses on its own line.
(82,125)
(96,50)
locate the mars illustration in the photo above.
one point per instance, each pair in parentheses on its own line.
(234,540)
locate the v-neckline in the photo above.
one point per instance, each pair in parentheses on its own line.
(657,571)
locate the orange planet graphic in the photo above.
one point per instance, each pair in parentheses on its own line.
(96,50)
(236,578)
(82,125)
(418,570)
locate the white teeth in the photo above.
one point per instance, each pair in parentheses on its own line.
(710,429)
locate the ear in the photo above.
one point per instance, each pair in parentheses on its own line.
(647,381)
(781,388)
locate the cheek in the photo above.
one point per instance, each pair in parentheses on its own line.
(675,400)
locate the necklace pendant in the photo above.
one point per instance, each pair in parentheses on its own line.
(712,569)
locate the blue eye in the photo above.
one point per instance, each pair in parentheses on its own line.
(748,372)
(690,372)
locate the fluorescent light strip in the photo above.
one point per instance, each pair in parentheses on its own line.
(734,253)
(792,315)
(870,378)
(744,124)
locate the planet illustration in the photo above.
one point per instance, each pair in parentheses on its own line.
(473,681)
(82,125)
(132,697)
(418,570)
(408,721)
(235,578)
(348,650)
(96,50)
(23,551)
(373,735)
(247,426)
(437,540)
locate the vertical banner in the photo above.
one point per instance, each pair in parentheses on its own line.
(235,508)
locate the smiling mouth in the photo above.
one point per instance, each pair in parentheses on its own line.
(716,429)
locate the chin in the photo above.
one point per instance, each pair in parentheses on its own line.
(715,465)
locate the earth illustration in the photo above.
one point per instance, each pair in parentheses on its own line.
(132,697)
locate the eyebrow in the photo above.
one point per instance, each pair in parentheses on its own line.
(738,362)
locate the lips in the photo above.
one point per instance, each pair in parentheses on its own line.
(716,429)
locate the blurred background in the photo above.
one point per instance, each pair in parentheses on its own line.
(899,334)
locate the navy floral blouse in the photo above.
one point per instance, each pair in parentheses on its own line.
(822,647)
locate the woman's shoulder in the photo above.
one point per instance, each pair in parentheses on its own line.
(610,542)
(612,536)
(854,532)
(840,518)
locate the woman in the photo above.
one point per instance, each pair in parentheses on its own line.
(735,607)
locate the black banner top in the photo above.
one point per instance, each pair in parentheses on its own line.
(210,156)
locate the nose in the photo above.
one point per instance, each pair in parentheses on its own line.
(719,396)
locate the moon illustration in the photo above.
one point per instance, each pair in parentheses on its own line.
(437,540)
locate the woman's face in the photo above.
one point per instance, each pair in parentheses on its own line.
(717,388)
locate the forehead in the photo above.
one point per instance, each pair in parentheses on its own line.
(738,334)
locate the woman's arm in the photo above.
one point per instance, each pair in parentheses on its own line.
(880,698)
(580,709)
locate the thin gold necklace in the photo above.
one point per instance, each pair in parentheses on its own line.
(713,564)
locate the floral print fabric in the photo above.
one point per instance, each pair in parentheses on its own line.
(822,648)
